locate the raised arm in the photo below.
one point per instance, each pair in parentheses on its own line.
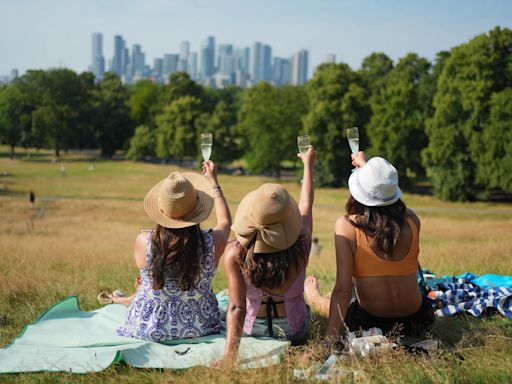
(223,227)
(307,193)
(342,293)
(235,316)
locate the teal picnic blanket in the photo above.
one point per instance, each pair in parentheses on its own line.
(66,338)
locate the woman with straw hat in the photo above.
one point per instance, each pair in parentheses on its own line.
(265,266)
(377,247)
(177,260)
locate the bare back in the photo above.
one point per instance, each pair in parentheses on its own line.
(390,296)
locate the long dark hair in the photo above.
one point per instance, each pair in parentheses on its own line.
(270,270)
(176,252)
(381,223)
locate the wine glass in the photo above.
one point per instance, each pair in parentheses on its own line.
(303,143)
(353,140)
(206,145)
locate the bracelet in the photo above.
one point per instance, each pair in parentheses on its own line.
(218,193)
(217,188)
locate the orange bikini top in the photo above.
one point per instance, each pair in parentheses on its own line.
(367,263)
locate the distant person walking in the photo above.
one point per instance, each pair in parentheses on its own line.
(62,171)
(32,199)
(316,248)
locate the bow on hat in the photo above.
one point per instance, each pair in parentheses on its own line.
(272,235)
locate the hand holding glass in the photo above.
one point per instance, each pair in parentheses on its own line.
(303,143)
(206,145)
(353,139)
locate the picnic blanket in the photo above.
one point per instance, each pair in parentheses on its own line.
(66,338)
(470,293)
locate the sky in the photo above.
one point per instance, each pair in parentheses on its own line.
(52,33)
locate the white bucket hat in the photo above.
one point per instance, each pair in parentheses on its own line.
(375,184)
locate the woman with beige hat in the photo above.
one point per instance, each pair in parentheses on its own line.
(177,260)
(265,266)
(377,247)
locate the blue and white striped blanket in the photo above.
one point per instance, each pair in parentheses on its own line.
(468,297)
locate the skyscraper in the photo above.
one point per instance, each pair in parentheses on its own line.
(170,65)
(261,63)
(242,56)
(207,59)
(226,64)
(300,67)
(98,61)
(138,63)
(158,70)
(14,75)
(192,65)
(256,70)
(119,61)
(281,71)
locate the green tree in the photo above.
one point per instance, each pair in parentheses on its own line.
(337,101)
(59,115)
(176,128)
(396,128)
(495,168)
(145,102)
(223,125)
(180,85)
(374,69)
(113,123)
(142,143)
(457,132)
(293,106)
(13,116)
(269,121)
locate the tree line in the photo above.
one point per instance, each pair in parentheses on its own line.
(449,121)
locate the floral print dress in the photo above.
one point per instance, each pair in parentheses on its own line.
(171,313)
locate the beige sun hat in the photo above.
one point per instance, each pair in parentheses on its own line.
(180,200)
(270,216)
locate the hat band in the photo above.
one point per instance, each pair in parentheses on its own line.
(367,195)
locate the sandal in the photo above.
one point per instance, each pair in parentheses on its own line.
(105,298)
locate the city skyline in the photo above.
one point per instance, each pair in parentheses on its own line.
(220,64)
(35,35)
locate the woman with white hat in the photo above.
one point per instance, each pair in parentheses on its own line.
(177,260)
(265,266)
(377,247)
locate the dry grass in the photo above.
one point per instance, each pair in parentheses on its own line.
(82,241)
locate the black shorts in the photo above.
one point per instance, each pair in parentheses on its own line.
(413,325)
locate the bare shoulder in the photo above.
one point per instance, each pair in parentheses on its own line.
(142,237)
(344,228)
(231,253)
(411,215)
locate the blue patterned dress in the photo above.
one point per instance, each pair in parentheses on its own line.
(171,313)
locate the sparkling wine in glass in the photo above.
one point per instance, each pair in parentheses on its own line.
(206,145)
(353,139)
(303,143)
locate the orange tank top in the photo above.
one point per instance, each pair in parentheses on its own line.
(367,263)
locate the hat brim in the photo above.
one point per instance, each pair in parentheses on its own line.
(357,193)
(243,220)
(200,213)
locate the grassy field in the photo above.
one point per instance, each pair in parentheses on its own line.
(79,241)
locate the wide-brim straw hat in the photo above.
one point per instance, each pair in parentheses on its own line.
(375,184)
(270,217)
(180,200)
